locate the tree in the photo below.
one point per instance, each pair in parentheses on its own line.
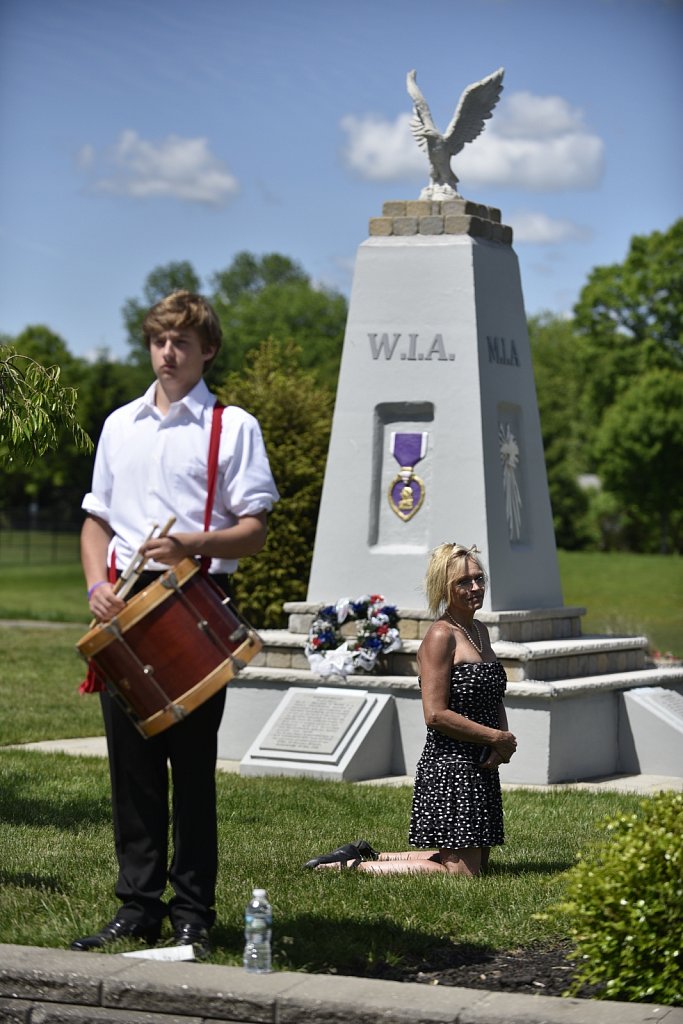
(36,409)
(629,322)
(106,385)
(57,480)
(272,297)
(639,446)
(630,318)
(295,413)
(313,319)
(249,274)
(39,343)
(255,298)
(558,389)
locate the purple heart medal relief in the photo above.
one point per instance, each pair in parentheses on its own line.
(407,491)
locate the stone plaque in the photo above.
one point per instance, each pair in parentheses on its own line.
(668,704)
(652,735)
(312,723)
(673,703)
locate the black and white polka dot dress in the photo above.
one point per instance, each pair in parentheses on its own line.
(456,803)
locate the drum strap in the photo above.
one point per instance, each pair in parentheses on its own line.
(212,475)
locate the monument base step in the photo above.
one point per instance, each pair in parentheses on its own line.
(517,626)
(538,659)
(538,689)
(576,658)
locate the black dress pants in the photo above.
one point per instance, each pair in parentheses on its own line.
(139,771)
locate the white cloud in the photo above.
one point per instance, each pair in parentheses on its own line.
(85,157)
(558,164)
(539,229)
(382,150)
(535,143)
(175,168)
(523,115)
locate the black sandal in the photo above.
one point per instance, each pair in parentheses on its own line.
(357,852)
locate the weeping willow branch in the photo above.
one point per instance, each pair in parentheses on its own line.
(35,409)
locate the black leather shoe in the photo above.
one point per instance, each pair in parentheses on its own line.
(195,936)
(358,851)
(117,929)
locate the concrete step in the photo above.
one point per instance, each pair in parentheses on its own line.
(539,659)
(532,687)
(517,626)
(282,649)
(292,676)
(668,677)
(570,659)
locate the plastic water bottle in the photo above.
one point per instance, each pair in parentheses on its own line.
(258,920)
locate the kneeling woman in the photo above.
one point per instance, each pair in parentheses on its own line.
(457,812)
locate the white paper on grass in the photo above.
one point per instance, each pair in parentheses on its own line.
(164,953)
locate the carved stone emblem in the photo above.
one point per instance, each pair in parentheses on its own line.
(407,491)
(509,457)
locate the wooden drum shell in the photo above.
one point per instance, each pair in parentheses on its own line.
(174,645)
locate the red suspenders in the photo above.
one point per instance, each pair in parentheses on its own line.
(212,475)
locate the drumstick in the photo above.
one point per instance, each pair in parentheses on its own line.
(134,562)
(139,568)
(135,567)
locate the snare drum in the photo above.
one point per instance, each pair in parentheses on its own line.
(174,645)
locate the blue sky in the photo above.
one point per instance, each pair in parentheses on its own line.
(136,132)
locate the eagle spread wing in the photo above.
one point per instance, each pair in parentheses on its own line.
(422,123)
(475,106)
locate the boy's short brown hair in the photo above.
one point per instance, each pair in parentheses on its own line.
(181,310)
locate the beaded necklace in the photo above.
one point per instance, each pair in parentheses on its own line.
(477,646)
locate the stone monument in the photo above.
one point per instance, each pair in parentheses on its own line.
(436,435)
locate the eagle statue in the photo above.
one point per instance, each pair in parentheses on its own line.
(475,107)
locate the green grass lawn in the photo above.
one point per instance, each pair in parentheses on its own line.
(58,867)
(53,592)
(627,594)
(40,672)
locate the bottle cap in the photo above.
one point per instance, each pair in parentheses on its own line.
(259,892)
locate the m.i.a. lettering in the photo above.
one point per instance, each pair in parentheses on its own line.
(502,351)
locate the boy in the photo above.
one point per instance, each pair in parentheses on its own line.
(151,464)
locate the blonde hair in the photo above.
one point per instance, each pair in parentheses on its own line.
(446,565)
(181,310)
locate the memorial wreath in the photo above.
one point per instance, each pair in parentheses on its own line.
(329,653)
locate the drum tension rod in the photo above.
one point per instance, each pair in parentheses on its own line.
(177,710)
(240,632)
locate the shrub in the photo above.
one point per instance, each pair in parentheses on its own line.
(295,413)
(625,906)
